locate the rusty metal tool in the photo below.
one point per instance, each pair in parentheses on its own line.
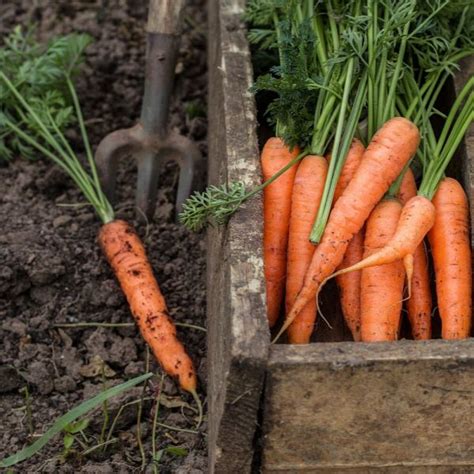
(149,141)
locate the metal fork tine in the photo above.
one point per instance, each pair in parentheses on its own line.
(149,141)
(110,150)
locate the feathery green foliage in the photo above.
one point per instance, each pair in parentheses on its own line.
(39,73)
(38,101)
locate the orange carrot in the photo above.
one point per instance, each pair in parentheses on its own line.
(416,219)
(307,191)
(419,304)
(451,250)
(391,148)
(126,255)
(353,159)
(381,293)
(349,284)
(276,208)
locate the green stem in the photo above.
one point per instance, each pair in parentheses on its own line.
(85,139)
(270,180)
(454,108)
(372,34)
(390,103)
(339,155)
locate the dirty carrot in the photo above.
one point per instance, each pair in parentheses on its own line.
(419,303)
(126,255)
(451,250)
(390,149)
(349,284)
(381,293)
(276,208)
(307,191)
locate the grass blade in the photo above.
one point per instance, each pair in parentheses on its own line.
(70,416)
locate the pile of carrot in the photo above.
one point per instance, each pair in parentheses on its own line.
(387,242)
(354,89)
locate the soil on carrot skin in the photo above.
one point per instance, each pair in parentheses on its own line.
(52,271)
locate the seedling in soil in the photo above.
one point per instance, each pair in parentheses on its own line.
(71,432)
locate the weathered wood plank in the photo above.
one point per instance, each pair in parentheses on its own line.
(344,406)
(238,336)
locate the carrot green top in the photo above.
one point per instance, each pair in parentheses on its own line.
(36,93)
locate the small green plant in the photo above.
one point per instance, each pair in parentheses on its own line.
(71,432)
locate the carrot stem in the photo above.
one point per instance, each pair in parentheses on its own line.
(340,150)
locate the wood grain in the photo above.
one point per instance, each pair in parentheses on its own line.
(238,336)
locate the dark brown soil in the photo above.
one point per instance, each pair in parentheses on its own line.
(52,271)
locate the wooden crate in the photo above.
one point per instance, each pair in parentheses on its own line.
(326,407)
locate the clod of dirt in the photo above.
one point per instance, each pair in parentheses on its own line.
(96,367)
(111,347)
(64,384)
(11,379)
(40,376)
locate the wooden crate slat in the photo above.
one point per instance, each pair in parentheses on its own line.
(353,405)
(238,336)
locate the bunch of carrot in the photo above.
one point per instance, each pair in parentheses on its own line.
(373,239)
(355,87)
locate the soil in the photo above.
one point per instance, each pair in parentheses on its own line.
(52,271)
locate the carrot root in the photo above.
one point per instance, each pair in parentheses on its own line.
(451,250)
(126,255)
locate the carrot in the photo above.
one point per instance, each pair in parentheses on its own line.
(390,149)
(125,253)
(381,293)
(349,284)
(276,221)
(451,250)
(416,220)
(419,304)
(353,159)
(307,191)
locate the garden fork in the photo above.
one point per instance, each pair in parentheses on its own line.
(149,141)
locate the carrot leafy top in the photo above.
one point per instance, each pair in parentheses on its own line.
(38,102)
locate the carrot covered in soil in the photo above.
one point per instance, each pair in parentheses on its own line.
(451,250)
(419,303)
(307,191)
(276,208)
(126,255)
(349,283)
(381,293)
(391,148)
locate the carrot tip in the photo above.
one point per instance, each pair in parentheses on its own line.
(199,407)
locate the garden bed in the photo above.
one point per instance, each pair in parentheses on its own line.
(52,272)
(333,407)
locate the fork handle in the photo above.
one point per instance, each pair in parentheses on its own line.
(165,16)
